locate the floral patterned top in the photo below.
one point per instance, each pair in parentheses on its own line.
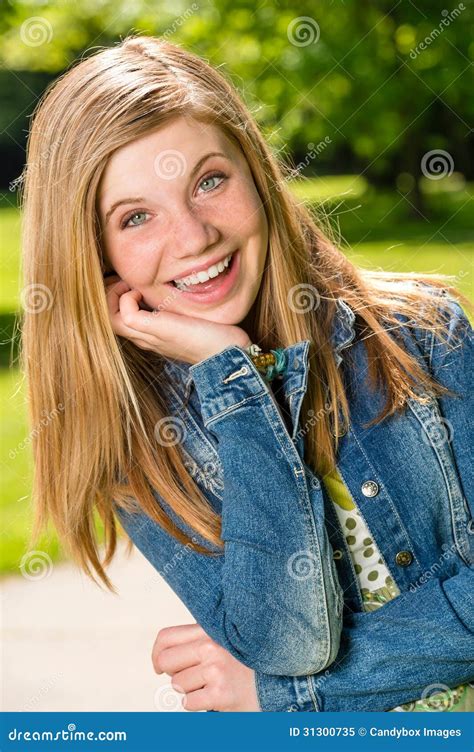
(378,587)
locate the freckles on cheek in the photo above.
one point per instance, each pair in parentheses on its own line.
(138,262)
(242,207)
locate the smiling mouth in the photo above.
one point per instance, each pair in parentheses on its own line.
(207,285)
(216,289)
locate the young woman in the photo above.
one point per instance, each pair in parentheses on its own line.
(312,507)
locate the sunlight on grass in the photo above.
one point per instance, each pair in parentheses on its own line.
(315,190)
(10,264)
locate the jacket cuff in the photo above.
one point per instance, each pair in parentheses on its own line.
(226,380)
(285,693)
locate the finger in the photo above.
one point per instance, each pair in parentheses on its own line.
(176,635)
(177,658)
(113,293)
(169,636)
(133,316)
(188,680)
(201,699)
(115,304)
(117,323)
(138,337)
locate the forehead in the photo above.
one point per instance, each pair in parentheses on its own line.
(181,140)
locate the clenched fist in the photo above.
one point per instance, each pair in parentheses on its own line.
(208,675)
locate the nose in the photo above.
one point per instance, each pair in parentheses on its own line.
(192,233)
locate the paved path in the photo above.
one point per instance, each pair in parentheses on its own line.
(68,645)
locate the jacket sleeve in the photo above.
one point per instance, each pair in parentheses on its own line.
(408,647)
(451,364)
(420,638)
(272,599)
(417,641)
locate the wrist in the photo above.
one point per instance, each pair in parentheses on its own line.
(271,364)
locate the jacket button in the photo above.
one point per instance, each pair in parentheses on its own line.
(296,363)
(404,558)
(337,554)
(470,527)
(370,488)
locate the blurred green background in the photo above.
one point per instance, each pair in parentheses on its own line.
(370,104)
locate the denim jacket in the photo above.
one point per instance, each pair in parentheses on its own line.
(284,597)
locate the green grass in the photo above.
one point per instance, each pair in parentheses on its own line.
(379,229)
(9,264)
(16,477)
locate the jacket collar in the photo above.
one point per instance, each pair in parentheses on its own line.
(343,333)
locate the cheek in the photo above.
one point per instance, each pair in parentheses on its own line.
(244,208)
(135,259)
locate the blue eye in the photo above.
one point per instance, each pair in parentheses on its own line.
(209,178)
(130,217)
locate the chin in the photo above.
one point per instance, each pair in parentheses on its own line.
(215,316)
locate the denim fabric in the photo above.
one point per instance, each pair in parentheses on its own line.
(278,599)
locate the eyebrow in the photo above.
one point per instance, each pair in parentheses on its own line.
(138,199)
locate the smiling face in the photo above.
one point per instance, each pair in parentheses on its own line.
(180,211)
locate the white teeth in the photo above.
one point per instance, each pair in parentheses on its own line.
(204,276)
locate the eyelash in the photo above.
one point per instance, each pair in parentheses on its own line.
(217,174)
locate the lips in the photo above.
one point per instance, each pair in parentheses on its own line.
(215,289)
(199,269)
(210,283)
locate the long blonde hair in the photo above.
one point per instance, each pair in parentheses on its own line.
(104,392)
